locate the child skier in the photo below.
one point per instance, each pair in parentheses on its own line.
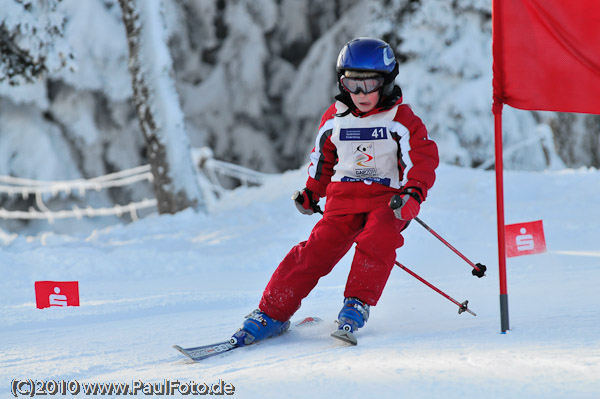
(369,147)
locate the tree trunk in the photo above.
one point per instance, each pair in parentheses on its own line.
(158,109)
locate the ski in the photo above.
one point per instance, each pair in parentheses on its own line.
(345,336)
(199,353)
(203,352)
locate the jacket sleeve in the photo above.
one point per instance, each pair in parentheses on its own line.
(418,169)
(323,156)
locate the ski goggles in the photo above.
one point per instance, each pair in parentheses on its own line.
(366,85)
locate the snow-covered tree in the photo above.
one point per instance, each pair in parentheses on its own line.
(157,105)
(579,141)
(31,40)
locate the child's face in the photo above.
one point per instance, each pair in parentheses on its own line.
(365,102)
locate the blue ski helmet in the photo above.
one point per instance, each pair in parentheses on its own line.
(369,55)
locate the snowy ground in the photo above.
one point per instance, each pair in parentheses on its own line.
(189,279)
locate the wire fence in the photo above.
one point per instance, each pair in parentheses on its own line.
(42,190)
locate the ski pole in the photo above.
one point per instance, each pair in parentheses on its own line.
(478,269)
(462,307)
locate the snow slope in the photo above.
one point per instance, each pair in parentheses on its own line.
(189,279)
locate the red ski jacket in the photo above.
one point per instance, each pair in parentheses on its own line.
(385,151)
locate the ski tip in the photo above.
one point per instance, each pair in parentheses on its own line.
(308,321)
(345,336)
(179,348)
(183,351)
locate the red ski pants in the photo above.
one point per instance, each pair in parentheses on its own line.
(377,236)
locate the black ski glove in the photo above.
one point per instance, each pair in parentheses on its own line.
(307,202)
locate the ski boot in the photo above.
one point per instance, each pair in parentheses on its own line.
(353,316)
(257,327)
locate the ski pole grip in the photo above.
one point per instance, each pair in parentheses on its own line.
(396,201)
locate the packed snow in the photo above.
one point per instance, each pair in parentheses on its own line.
(189,279)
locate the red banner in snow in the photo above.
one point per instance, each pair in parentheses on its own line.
(525,238)
(547,54)
(56,294)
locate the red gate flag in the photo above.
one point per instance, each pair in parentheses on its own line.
(547,54)
(546,57)
(525,238)
(56,293)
